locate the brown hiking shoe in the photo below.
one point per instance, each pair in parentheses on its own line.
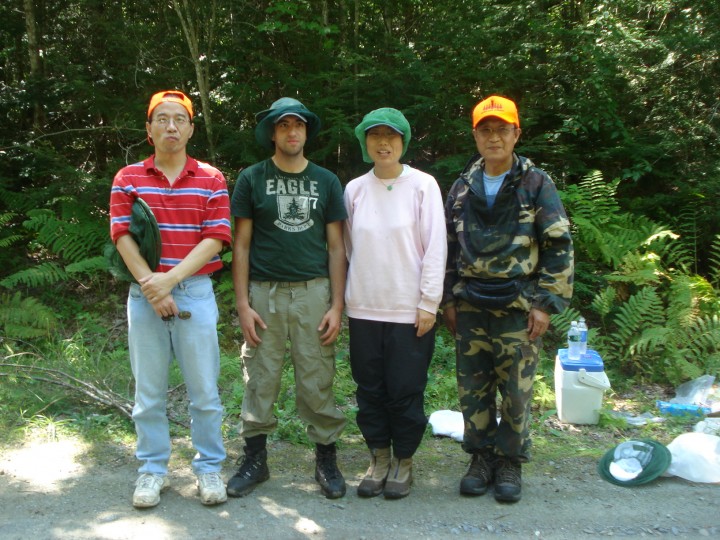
(399,479)
(374,482)
(508,480)
(479,475)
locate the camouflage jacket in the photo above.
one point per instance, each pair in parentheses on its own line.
(525,235)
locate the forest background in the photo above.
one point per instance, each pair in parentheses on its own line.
(618,101)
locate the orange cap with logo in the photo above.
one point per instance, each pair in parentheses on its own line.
(173,96)
(498,107)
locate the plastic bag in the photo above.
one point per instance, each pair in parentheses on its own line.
(448,423)
(711,426)
(695,457)
(694,392)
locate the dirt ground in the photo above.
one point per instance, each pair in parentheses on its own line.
(67,489)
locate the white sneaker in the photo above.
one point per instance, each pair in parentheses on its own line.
(212,488)
(147,490)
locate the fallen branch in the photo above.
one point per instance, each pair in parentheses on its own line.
(105,397)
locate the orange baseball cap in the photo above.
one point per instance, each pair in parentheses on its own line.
(173,96)
(498,107)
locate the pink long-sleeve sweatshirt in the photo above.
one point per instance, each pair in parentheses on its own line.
(396,245)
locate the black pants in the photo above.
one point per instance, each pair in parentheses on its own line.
(390,364)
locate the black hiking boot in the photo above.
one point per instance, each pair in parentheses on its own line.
(327,474)
(253,470)
(508,480)
(479,475)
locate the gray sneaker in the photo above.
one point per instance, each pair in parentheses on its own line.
(212,488)
(147,489)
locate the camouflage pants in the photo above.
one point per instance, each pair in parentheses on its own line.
(494,355)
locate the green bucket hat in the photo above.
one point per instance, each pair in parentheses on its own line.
(634,462)
(146,233)
(385,116)
(267,119)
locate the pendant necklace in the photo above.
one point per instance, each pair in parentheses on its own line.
(389,186)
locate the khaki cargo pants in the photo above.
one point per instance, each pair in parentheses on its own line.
(292,311)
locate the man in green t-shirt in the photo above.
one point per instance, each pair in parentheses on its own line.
(289,273)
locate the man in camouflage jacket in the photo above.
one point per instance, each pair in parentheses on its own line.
(509,266)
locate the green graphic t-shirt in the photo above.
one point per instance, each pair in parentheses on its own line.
(289,213)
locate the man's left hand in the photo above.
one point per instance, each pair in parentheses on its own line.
(157,288)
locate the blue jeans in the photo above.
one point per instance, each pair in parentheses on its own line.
(193,342)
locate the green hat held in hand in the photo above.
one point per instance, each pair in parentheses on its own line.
(146,233)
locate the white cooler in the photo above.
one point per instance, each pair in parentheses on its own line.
(579,387)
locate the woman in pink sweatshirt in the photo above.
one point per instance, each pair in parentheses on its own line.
(396,245)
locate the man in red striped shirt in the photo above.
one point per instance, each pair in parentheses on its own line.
(171,309)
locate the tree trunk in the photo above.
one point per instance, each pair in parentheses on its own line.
(192,28)
(356,45)
(35,59)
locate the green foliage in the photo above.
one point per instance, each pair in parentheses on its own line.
(441,392)
(25,318)
(641,310)
(561,321)
(714,260)
(609,420)
(603,302)
(47,273)
(649,308)
(69,237)
(544,392)
(289,426)
(615,90)
(58,381)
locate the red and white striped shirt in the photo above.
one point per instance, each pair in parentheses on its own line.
(194,207)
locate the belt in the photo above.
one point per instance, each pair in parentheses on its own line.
(274,285)
(289,284)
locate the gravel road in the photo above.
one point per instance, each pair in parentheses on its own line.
(68,489)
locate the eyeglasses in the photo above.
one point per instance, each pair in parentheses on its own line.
(164,121)
(487,132)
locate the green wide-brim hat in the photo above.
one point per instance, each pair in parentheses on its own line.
(658,463)
(146,233)
(267,119)
(384,116)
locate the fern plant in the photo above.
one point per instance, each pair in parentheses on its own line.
(657,319)
(25,318)
(67,243)
(72,239)
(42,275)
(56,237)
(635,322)
(715,262)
